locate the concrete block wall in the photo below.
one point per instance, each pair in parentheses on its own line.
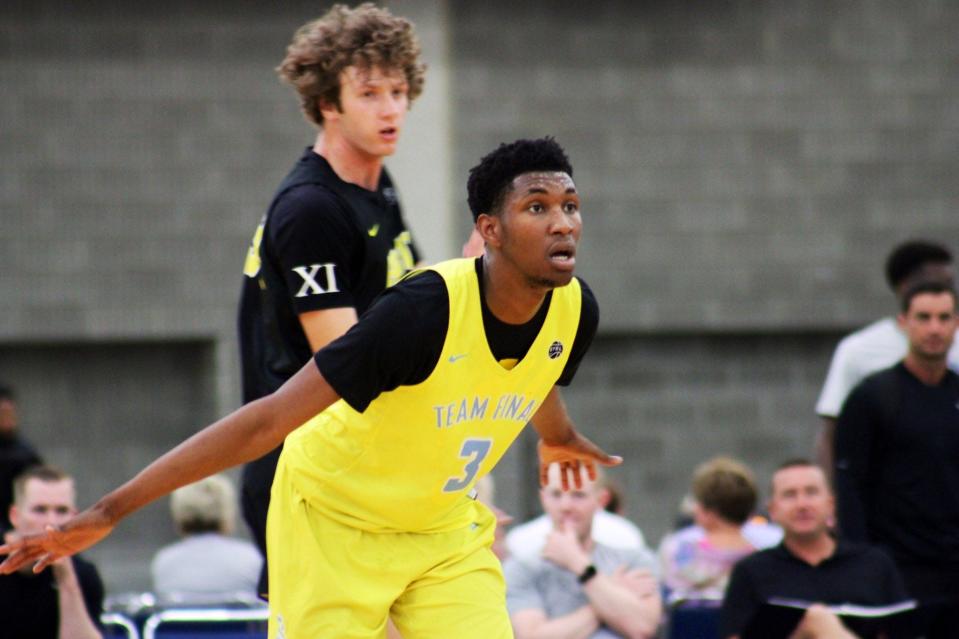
(136,166)
(760,157)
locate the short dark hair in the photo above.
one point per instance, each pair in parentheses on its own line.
(794,462)
(909,257)
(928,286)
(490,180)
(725,487)
(7,392)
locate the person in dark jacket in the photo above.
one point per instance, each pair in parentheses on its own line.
(897,458)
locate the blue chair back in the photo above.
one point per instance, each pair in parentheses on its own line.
(694,620)
(117,626)
(207,623)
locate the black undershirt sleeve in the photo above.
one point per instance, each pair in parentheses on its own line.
(397,342)
(308,227)
(585,332)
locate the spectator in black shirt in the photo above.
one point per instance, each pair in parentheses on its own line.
(16,455)
(808,565)
(62,603)
(897,458)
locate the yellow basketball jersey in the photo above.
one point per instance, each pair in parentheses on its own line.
(408,462)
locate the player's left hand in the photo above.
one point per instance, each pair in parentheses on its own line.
(572,455)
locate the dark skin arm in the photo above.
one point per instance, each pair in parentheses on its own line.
(561,443)
(244,435)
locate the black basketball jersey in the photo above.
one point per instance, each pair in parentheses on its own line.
(323,243)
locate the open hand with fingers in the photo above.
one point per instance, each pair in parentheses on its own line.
(573,455)
(55,543)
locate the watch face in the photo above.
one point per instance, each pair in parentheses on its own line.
(588,574)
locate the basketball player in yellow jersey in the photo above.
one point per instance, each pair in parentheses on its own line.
(371,514)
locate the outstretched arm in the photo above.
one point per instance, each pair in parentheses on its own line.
(244,435)
(560,443)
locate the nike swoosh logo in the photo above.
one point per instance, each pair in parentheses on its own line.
(374,230)
(456,358)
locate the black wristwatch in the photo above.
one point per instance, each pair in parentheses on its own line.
(588,573)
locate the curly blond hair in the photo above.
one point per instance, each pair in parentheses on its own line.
(365,37)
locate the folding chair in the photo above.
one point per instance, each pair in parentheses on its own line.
(207,623)
(117,626)
(694,620)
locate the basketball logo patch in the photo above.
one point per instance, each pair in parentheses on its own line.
(555,349)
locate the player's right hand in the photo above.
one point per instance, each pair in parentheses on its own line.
(55,543)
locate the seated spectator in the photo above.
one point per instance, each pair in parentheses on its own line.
(207,563)
(697,560)
(16,455)
(577,586)
(608,528)
(65,602)
(809,565)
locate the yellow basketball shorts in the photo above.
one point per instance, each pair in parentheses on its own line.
(332,580)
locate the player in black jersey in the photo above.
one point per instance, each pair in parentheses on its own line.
(333,237)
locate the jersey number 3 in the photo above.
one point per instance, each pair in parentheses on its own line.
(474,451)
